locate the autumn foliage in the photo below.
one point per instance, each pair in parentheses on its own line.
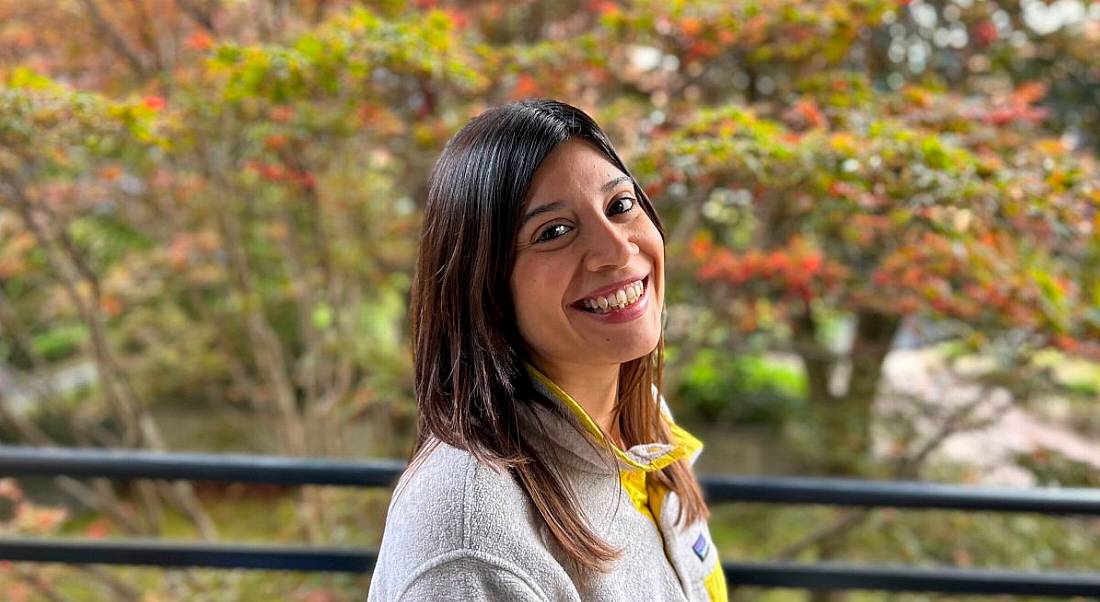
(217,201)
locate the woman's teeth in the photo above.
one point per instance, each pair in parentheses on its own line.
(620,299)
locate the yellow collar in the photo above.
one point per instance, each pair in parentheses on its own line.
(648,457)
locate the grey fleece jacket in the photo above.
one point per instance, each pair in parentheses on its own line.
(459,530)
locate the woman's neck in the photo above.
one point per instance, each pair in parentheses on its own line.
(594,388)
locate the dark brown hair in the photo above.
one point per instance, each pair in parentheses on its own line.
(468,355)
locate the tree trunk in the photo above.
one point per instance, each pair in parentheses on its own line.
(844,421)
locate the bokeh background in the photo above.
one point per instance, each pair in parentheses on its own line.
(883,254)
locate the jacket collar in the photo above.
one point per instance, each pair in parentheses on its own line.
(583,441)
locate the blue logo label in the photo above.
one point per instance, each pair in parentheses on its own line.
(701,547)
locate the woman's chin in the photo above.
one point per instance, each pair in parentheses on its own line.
(624,351)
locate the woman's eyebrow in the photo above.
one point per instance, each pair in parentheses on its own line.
(611,184)
(542,209)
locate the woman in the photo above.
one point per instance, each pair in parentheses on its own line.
(546,465)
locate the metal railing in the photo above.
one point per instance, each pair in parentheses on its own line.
(134,464)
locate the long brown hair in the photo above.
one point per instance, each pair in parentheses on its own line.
(468,355)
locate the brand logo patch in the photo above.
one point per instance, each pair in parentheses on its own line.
(701,547)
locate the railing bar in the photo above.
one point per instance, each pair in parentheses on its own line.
(901,494)
(235,468)
(831,576)
(132,464)
(157,553)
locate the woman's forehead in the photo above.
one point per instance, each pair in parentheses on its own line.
(575,166)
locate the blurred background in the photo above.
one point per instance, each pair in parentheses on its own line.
(883,255)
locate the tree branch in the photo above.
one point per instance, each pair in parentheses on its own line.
(121,46)
(906,468)
(201,15)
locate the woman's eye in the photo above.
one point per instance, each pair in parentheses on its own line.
(552,232)
(621,205)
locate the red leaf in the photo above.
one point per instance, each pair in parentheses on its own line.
(809,111)
(603,7)
(99,529)
(155,103)
(985,33)
(282,114)
(458,17)
(526,87)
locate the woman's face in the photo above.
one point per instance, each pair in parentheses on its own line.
(588,281)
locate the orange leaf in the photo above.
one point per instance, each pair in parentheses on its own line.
(199,41)
(275,141)
(691,26)
(111,305)
(110,172)
(1030,92)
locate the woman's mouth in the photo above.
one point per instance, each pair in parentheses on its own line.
(621,299)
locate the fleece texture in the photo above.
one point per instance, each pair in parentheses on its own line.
(459,530)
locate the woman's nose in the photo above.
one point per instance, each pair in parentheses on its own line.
(609,246)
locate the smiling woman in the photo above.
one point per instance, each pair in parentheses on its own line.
(547,465)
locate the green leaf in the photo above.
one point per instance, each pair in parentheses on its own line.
(322,316)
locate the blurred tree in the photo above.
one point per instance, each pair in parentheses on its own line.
(217,201)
